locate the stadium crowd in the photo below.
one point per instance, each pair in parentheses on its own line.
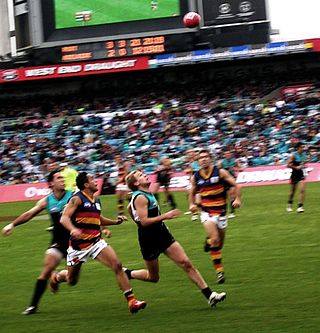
(85,131)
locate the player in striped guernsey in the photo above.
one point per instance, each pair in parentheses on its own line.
(82,217)
(212,183)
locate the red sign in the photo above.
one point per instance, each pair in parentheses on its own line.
(74,69)
(25,192)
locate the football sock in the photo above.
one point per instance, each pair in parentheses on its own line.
(40,288)
(216,256)
(300,204)
(120,206)
(206,292)
(128,273)
(129,295)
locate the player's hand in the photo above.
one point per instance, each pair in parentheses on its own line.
(236,203)
(193,208)
(8,229)
(106,232)
(121,218)
(76,233)
(172,214)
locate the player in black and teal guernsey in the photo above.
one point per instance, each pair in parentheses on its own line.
(155,238)
(230,164)
(54,203)
(297,163)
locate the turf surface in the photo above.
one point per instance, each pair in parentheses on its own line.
(271,261)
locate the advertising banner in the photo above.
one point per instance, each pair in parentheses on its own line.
(222,12)
(25,192)
(73,69)
(258,176)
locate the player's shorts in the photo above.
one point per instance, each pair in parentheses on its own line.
(59,247)
(163,179)
(220,221)
(74,257)
(122,188)
(154,242)
(297,176)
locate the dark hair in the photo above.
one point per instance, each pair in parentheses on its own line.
(81,179)
(298,145)
(51,174)
(205,151)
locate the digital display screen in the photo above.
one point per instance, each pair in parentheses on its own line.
(80,13)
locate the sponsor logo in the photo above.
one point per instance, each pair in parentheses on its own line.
(214,179)
(31,192)
(98,206)
(266,175)
(225,8)
(245,6)
(87,205)
(10,75)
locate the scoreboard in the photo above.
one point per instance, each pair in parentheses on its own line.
(114,49)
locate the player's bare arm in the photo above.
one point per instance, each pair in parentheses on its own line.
(106,221)
(25,217)
(141,206)
(192,196)
(69,210)
(290,164)
(226,176)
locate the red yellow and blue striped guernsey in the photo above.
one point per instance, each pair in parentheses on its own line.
(86,218)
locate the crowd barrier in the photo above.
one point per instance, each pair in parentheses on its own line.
(265,175)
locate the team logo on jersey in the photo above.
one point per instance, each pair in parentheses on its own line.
(87,205)
(54,209)
(200,182)
(214,179)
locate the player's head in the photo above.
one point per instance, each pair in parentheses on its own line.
(56,180)
(204,158)
(135,179)
(227,154)
(299,146)
(190,154)
(87,181)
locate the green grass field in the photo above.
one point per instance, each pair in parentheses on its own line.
(271,261)
(111,11)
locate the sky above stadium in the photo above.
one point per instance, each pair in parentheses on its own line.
(296,19)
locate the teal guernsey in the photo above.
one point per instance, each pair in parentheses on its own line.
(154,238)
(55,208)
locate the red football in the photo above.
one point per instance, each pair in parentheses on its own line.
(191,19)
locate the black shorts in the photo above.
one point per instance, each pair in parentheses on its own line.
(154,240)
(296,176)
(61,245)
(163,179)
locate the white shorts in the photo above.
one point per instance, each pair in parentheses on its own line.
(122,188)
(74,257)
(220,221)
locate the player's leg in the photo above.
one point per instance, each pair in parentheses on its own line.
(231,196)
(177,254)
(51,261)
(215,246)
(151,274)
(120,197)
(302,186)
(108,257)
(292,190)
(170,197)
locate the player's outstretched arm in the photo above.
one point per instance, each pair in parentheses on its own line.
(25,217)
(106,221)
(192,196)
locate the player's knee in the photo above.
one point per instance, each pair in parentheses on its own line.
(186,264)
(116,266)
(215,242)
